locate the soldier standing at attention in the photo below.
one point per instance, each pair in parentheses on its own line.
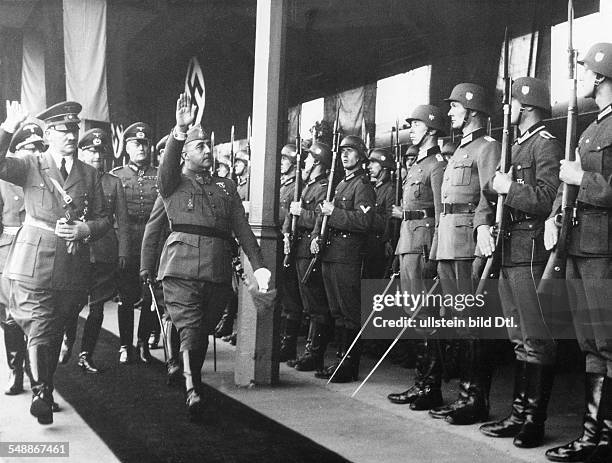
(589,264)
(108,254)
(241,169)
(530,188)
(203,212)
(351,215)
(48,265)
(420,214)
(464,211)
(139,181)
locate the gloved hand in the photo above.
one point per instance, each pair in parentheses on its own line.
(145,276)
(286,244)
(485,240)
(314,245)
(551,233)
(15,115)
(262,276)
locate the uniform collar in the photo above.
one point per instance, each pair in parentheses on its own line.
(139,170)
(57,158)
(531,131)
(604,113)
(431,151)
(470,137)
(288,179)
(316,179)
(353,174)
(242,180)
(198,177)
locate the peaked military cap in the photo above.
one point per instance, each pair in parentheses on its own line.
(138,131)
(161,144)
(383,157)
(471,96)
(531,92)
(432,116)
(28,132)
(196,132)
(599,59)
(95,138)
(62,116)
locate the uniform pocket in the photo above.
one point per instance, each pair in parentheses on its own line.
(462,172)
(525,173)
(594,232)
(463,237)
(25,253)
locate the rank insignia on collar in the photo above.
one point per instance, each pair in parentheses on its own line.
(365,209)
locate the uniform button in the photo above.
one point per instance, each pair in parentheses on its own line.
(518,167)
(465,155)
(343,198)
(42,185)
(16,198)
(446,178)
(588,140)
(445,195)
(599,147)
(427,225)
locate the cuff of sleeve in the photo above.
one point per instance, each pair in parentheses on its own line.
(180,136)
(5,128)
(511,193)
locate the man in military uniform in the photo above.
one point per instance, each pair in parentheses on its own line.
(139,181)
(465,210)
(312,292)
(27,140)
(290,293)
(107,254)
(379,247)
(48,265)
(530,188)
(203,212)
(350,219)
(420,214)
(589,263)
(241,169)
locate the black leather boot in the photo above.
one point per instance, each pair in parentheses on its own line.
(15,346)
(539,386)
(42,396)
(512,424)
(225,325)
(144,355)
(173,344)
(288,347)
(87,364)
(192,371)
(307,354)
(313,359)
(603,451)
(581,448)
(429,368)
(348,371)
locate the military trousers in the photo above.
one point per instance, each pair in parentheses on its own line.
(291,302)
(343,289)
(195,308)
(530,335)
(457,278)
(590,293)
(416,277)
(313,294)
(375,264)
(131,291)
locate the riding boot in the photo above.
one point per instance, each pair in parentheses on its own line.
(314,358)
(288,348)
(192,371)
(429,370)
(326,371)
(410,395)
(307,354)
(511,425)
(15,346)
(348,371)
(41,358)
(173,344)
(539,386)
(603,451)
(91,330)
(582,447)
(225,325)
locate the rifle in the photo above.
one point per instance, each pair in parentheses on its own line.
(493,264)
(328,197)
(212,150)
(248,149)
(555,267)
(232,157)
(297,191)
(398,182)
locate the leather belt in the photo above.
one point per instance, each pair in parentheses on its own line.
(12,231)
(590,207)
(201,231)
(344,234)
(517,216)
(458,208)
(419,214)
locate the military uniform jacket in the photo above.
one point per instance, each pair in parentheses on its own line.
(13,213)
(115,242)
(38,257)
(243,188)
(205,201)
(422,191)
(313,195)
(472,165)
(591,236)
(140,186)
(156,232)
(351,219)
(535,160)
(381,227)
(287,190)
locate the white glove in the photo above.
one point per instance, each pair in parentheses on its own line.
(262,276)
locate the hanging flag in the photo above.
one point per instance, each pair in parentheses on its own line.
(194,86)
(117,139)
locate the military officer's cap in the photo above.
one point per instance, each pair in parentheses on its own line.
(62,116)
(196,133)
(28,133)
(140,131)
(599,59)
(531,92)
(383,157)
(321,152)
(95,138)
(161,144)
(242,156)
(289,151)
(432,116)
(355,142)
(471,96)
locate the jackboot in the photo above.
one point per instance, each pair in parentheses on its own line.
(144,355)
(173,344)
(410,395)
(326,371)
(313,359)
(15,346)
(429,369)
(603,451)
(192,371)
(306,354)
(225,325)
(42,391)
(581,448)
(348,371)
(512,424)
(539,386)
(288,347)
(87,364)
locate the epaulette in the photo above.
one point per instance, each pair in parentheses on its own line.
(547,135)
(113,174)
(115,168)
(488,138)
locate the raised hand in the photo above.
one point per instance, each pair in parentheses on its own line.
(185,112)
(15,115)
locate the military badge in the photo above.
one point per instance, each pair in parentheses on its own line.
(469,96)
(599,56)
(525,89)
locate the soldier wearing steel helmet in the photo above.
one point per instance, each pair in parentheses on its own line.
(351,215)
(314,300)
(530,188)
(466,212)
(420,213)
(589,264)
(139,179)
(241,168)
